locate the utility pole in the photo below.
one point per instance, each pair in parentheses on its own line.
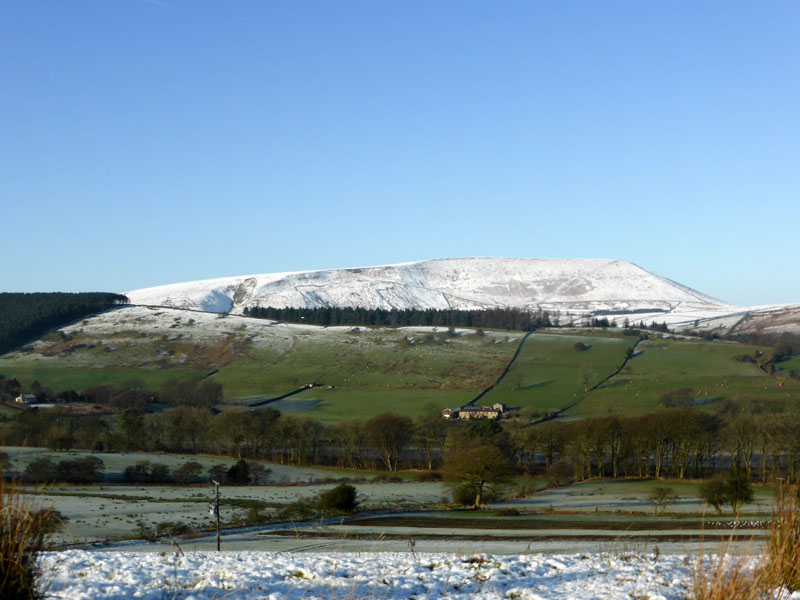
(215,508)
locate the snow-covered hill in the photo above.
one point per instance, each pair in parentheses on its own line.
(566,285)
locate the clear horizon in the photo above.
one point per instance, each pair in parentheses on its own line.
(147,143)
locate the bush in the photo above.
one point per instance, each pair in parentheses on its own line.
(302,510)
(40,470)
(340,499)
(714,492)
(173,528)
(188,472)
(661,497)
(259,473)
(428,476)
(739,489)
(255,516)
(386,478)
(238,474)
(218,473)
(89,469)
(146,472)
(560,473)
(464,495)
(736,490)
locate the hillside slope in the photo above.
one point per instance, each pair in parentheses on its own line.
(565,285)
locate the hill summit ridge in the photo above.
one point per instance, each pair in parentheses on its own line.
(566,285)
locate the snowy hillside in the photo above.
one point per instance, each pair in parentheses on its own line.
(566,285)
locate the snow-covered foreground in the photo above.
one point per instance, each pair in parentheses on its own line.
(78,574)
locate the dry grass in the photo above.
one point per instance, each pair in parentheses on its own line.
(728,577)
(783,565)
(775,574)
(23,532)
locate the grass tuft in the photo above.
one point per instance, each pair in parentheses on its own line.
(775,574)
(23,532)
(728,577)
(783,566)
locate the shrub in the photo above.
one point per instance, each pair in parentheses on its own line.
(428,476)
(739,489)
(40,470)
(736,490)
(238,474)
(89,469)
(146,472)
(255,516)
(259,473)
(661,497)
(387,478)
(79,470)
(218,473)
(560,473)
(464,495)
(342,498)
(714,492)
(188,472)
(174,528)
(301,510)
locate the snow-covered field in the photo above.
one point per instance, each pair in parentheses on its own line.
(77,575)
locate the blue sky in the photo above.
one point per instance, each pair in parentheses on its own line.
(151,142)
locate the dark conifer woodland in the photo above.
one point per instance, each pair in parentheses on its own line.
(24,317)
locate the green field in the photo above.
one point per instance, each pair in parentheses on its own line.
(334,406)
(362,372)
(709,368)
(378,360)
(785,367)
(78,379)
(550,373)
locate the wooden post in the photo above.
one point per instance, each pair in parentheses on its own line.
(216,509)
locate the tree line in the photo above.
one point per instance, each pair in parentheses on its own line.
(493,318)
(684,442)
(179,391)
(24,317)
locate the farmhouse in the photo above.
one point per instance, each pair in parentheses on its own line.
(464,413)
(26,399)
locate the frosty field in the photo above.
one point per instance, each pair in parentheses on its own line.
(80,575)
